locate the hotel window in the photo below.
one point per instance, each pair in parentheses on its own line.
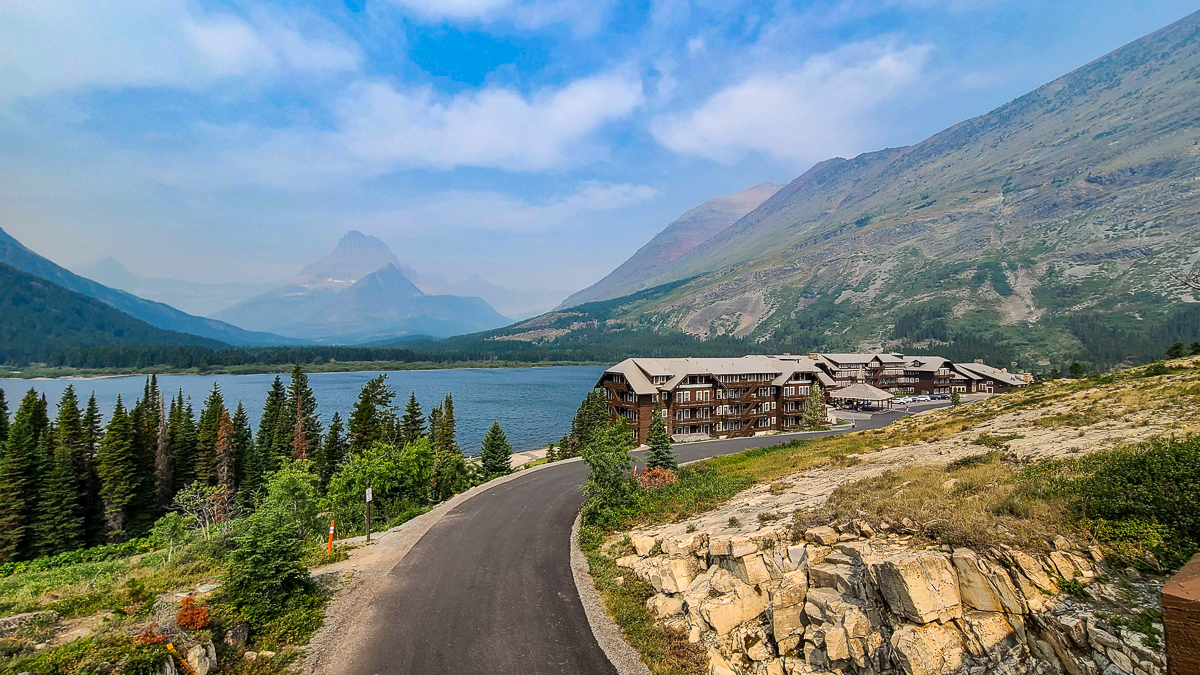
(683,396)
(704,395)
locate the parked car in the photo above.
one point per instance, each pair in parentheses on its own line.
(940,397)
(922,398)
(906,399)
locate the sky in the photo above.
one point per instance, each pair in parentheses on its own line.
(517,149)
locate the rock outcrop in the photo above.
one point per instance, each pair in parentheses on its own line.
(846,603)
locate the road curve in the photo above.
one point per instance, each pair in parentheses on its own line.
(489,587)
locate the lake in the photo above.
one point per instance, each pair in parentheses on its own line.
(534,405)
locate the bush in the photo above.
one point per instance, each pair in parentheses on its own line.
(191,616)
(654,479)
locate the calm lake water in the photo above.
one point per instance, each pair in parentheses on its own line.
(535,405)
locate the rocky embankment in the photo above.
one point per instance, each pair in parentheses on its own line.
(849,599)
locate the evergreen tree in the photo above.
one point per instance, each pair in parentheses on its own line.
(412,425)
(121,480)
(207,432)
(305,425)
(181,436)
(435,427)
(3,423)
(496,454)
(1194,349)
(19,477)
(1177,350)
(243,444)
(71,435)
(59,527)
(89,478)
(661,455)
(225,466)
(163,469)
(373,414)
(333,451)
(814,407)
(448,430)
(273,427)
(590,420)
(252,468)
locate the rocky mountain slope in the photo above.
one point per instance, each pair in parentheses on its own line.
(1042,232)
(650,266)
(201,299)
(39,318)
(157,314)
(358,294)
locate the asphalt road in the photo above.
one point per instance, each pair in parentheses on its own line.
(489,588)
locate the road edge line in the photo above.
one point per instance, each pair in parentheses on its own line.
(608,635)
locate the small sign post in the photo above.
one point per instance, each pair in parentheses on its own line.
(368,514)
(330,549)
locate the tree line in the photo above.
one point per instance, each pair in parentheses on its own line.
(72,482)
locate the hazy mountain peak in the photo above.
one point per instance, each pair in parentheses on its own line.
(355,256)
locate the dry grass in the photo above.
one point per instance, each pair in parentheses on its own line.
(976,503)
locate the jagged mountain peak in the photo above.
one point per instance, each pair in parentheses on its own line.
(355,256)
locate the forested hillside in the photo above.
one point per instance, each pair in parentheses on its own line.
(39,319)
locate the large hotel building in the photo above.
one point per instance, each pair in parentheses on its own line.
(733,397)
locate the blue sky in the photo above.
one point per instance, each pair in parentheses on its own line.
(518,149)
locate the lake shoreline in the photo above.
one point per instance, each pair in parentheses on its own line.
(47,373)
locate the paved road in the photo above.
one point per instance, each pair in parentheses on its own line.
(489,588)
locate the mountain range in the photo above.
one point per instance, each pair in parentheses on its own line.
(201,299)
(358,294)
(157,314)
(1043,231)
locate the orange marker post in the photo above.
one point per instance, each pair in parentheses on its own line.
(330,549)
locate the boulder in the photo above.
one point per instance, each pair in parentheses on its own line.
(726,612)
(684,545)
(984,588)
(1033,571)
(197,658)
(843,578)
(749,568)
(237,636)
(930,649)
(672,575)
(920,586)
(664,606)
(789,591)
(825,535)
(1062,562)
(786,621)
(627,561)
(988,633)
(643,545)
(854,550)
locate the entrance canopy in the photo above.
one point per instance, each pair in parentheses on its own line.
(860,392)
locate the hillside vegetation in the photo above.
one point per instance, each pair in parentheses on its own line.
(1043,232)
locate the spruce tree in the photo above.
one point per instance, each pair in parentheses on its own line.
(333,451)
(269,426)
(225,465)
(243,444)
(590,420)
(373,414)
(120,475)
(305,426)
(3,423)
(496,454)
(89,478)
(59,527)
(448,434)
(19,478)
(412,425)
(163,471)
(181,436)
(661,456)
(207,432)
(435,427)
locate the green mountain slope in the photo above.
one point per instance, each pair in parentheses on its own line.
(1045,231)
(14,253)
(39,318)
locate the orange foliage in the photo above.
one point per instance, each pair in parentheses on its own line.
(653,479)
(150,636)
(191,617)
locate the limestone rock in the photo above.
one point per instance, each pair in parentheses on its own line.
(627,561)
(1062,562)
(684,545)
(920,586)
(643,545)
(237,636)
(1033,571)
(672,575)
(664,606)
(988,633)
(197,658)
(728,611)
(749,568)
(931,649)
(824,535)
(790,590)
(982,587)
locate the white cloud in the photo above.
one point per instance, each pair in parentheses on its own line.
(805,114)
(454,9)
(584,16)
(58,45)
(493,127)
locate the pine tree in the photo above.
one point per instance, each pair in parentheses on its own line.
(269,426)
(435,427)
(302,406)
(590,420)
(89,478)
(243,444)
(207,431)
(19,478)
(59,527)
(120,477)
(373,414)
(181,436)
(448,432)
(814,407)
(412,425)
(333,451)
(496,454)
(163,471)
(660,456)
(3,423)
(225,466)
